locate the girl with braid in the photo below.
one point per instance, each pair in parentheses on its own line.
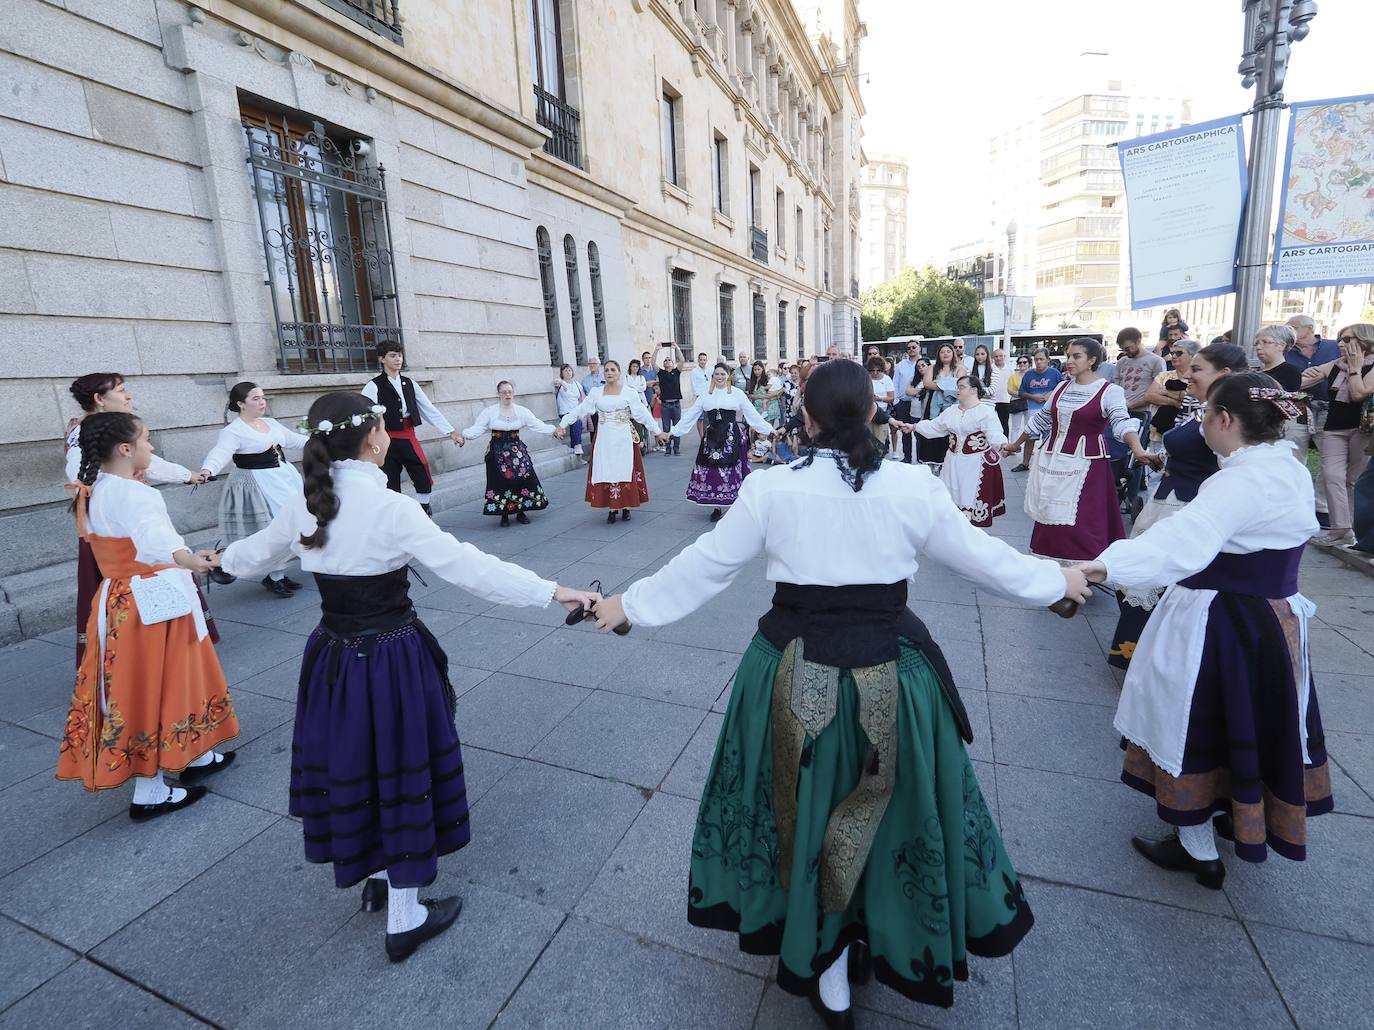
(96,392)
(150,696)
(377,770)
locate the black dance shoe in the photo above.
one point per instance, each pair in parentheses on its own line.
(1023,467)
(505,521)
(374,894)
(1225,826)
(427,510)
(142,813)
(1170,854)
(831,1019)
(196,773)
(221,577)
(860,963)
(522,518)
(715,514)
(290,584)
(275,586)
(610,516)
(624,514)
(440,917)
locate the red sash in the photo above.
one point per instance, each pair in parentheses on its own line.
(407,432)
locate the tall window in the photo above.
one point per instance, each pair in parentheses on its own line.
(782,330)
(671,114)
(779,216)
(755,197)
(682,309)
(801,331)
(797,244)
(326,241)
(575,300)
(545,248)
(598,302)
(720,173)
(760,329)
(825,260)
(546,50)
(727,320)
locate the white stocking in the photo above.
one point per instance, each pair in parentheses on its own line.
(1199,841)
(208,758)
(277,576)
(835,984)
(403,909)
(422,498)
(150,790)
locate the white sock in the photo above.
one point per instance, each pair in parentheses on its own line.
(403,909)
(1199,841)
(422,498)
(150,790)
(834,986)
(208,758)
(277,576)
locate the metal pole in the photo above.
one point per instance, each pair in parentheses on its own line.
(1271,26)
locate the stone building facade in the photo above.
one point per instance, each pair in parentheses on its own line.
(198,192)
(883,201)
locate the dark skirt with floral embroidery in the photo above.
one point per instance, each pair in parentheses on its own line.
(938,884)
(512,486)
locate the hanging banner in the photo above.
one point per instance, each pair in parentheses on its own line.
(1185,197)
(1326,208)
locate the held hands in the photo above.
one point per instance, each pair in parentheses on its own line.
(1155,461)
(559,433)
(663,437)
(1008,448)
(1092,571)
(199,562)
(1076,584)
(199,477)
(456,437)
(609,613)
(574,599)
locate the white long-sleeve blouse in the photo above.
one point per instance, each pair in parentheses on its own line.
(238,437)
(732,400)
(815,530)
(122,507)
(519,417)
(378,531)
(160,470)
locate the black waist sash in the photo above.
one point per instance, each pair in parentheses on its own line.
(851,627)
(355,610)
(268,459)
(719,440)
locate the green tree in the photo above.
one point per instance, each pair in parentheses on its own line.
(921,302)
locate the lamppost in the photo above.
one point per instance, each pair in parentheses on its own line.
(1271,27)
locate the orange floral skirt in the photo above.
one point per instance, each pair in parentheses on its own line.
(166,702)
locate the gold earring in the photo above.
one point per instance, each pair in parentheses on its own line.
(376,449)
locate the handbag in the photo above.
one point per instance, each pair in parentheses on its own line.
(159,597)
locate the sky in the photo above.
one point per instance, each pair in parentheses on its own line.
(941,78)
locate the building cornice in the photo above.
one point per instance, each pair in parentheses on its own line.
(553,174)
(387,63)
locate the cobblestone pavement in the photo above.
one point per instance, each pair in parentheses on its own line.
(585,756)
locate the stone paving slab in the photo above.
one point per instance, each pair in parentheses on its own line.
(575,882)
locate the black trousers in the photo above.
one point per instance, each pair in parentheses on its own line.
(1004,416)
(402,455)
(901,411)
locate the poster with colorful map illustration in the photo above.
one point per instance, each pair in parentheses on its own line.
(1326,214)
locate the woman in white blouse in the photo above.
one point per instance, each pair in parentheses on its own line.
(1071,492)
(723,456)
(1219,710)
(377,769)
(615,477)
(568,395)
(972,470)
(634,380)
(512,486)
(841,805)
(263,481)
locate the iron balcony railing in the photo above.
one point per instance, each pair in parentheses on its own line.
(381,16)
(758,243)
(565,122)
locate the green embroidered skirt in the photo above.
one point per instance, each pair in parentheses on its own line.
(937,884)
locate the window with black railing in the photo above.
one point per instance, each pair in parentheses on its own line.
(603,346)
(544,247)
(322,220)
(760,328)
(758,243)
(727,321)
(381,16)
(564,122)
(682,309)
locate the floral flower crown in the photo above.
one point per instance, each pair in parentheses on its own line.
(1286,402)
(324,427)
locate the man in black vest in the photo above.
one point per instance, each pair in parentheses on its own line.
(406,407)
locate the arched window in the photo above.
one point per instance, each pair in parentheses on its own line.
(575,300)
(545,247)
(603,348)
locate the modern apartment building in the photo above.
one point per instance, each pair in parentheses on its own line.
(199,192)
(883,200)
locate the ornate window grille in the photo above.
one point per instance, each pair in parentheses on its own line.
(381,16)
(545,248)
(565,122)
(575,300)
(327,244)
(782,330)
(727,321)
(682,309)
(603,347)
(760,329)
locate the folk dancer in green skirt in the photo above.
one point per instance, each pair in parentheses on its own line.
(841,810)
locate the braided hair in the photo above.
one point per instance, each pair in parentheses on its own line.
(839,397)
(101,433)
(339,444)
(89,387)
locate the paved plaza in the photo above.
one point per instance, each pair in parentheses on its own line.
(585,757)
